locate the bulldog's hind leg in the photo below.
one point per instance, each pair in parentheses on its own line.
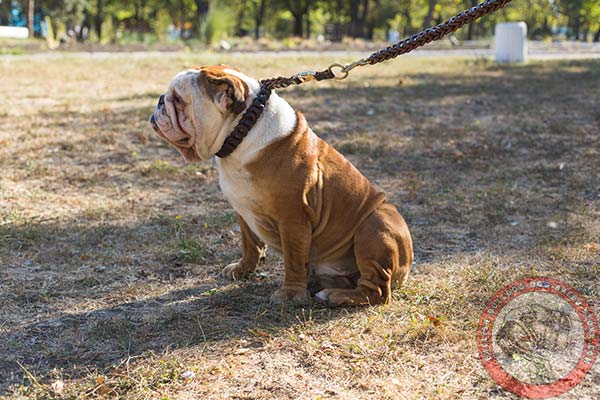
(384,254)
(253,251)
(319,282)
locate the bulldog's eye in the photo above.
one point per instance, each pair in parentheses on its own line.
(177,100)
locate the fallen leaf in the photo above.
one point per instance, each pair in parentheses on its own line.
(103,389)
(259,332)
(435,321)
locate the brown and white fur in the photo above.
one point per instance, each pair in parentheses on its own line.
(291,191)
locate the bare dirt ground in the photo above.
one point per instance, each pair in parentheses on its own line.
(111,246)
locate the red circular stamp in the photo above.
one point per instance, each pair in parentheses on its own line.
(538,337)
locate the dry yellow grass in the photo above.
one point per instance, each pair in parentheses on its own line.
(111,246)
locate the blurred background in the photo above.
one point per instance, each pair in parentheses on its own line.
(281,24)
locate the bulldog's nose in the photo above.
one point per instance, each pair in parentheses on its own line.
(161,102)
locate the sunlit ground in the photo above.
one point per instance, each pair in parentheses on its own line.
(111,246)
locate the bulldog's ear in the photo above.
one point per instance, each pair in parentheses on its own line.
(228,91)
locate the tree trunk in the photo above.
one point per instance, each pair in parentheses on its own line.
(406,30)
(372,21)
(99,18)
(597,36)
(136,12)
(362,22)
(575,24)
(338,30)
(201,11)
(30,16)
(298,24)
(429,16)
(259,14)
(298,8)
(181,19)
(240,20)
(307,27)
(85,25)
(354,18)
(4,12)
(471,27)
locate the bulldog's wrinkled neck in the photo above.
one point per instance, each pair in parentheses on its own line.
(277,121)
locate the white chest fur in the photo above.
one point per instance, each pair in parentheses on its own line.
(276,122)
(236,184)
(245,197)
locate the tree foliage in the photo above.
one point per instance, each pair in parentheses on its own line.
(210,20)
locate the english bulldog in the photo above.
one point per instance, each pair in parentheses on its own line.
(291,191)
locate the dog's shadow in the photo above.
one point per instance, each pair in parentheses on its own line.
(78,343)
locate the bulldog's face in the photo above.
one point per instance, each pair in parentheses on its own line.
(196,113)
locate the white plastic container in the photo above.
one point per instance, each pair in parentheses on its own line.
(15,32)
(510,40)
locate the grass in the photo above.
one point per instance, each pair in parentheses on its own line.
(111,246)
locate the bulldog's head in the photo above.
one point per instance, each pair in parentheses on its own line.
(196,113)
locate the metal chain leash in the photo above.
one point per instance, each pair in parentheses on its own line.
(402,47)
(253,112)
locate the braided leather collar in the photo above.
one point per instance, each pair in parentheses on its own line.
(248,120)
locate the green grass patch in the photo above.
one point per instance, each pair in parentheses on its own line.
(191,250)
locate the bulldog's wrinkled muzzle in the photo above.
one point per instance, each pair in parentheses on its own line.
(161,103)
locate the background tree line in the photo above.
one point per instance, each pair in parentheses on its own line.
(212,20)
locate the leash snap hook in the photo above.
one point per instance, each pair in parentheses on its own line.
(359,63)
(345,69)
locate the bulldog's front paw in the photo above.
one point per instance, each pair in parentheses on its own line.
(236,271)
(284,295)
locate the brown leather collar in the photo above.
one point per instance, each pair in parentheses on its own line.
(248,120)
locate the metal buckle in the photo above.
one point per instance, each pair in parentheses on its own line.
(305,76)
(338,76)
